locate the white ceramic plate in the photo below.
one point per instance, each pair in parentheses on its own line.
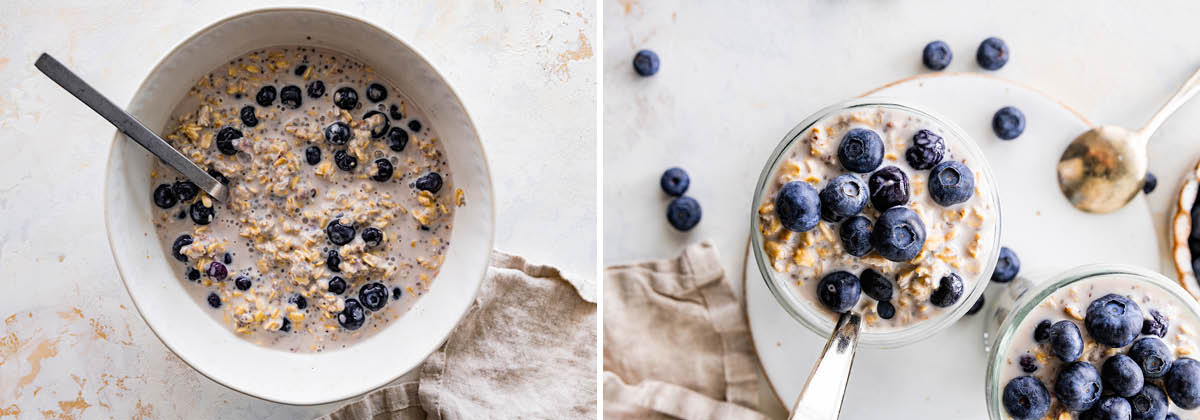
(945,374)
(210,348)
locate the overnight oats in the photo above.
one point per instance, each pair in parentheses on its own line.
(1106,345)
(878,209)
(340,201)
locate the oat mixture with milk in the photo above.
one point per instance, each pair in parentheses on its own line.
(340,207)
(957,237)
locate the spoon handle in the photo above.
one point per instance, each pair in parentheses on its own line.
(1185,93)
(129,125)
(821,397)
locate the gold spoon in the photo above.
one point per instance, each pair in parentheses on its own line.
(1105,167)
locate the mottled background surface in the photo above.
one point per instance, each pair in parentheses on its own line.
(73,346)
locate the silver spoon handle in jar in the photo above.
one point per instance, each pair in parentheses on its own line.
(821,397)
(129,125)
(1184,94)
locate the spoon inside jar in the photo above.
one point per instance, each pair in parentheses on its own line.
(1105,167)
(821,397)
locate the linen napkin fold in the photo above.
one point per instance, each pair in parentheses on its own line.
(676,341)
(527,349)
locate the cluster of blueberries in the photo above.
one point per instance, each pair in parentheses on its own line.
(1129,385)
(683,212)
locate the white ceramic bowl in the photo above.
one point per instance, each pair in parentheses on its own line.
(209,347)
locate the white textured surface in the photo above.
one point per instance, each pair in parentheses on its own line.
(72,346)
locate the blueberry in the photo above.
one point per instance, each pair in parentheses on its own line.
(315,90)
(397,139)
(290,96)
(1152,355)
(898,234)
(214,300)
(337,285)
(225,139)
(345,98)
(182,214)
(674,181)
(372,237)
(164,196)
(1156,325)
(352,315)
(936,55)
(949,290)
(1028,363)
(1025,398)
(950,183)
(683,213)
(242,283)
(333,261)
(345,161)
(1078,386)
(1065,341)
(1109,408)
(228,259)
(889,188)
(217,175)
(373,296)
(201,214)
(876,285)
(248,117)
(286,326)
(312,155)
(842,197)
(839,291)
(383,170)
(645,63)
(977,306)
(338,133)
(1008,123)
(992,54)
(861,150)
(415,126)
(1113,320)
(299,301)
(1183,383)
(1041,333)
(180,242)
(338,233)
(300,70)
(381,129)
(265,96)
(1150,183)
(431,182)
(193,274)
(394,112)
(217,271)
(185,190)
(1149,404)
(856,236)
(798,207)
(395,293)
(927,150)
(376,92)
(1122,375)
(1171,416)
(1007,266)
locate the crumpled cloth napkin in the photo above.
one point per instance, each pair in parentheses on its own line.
(676,341)
(527,349)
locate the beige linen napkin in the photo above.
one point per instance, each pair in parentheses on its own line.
(527,349)
(676,341)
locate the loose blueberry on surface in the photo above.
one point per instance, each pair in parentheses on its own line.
(885,310)
(286,326)
(185,190)
(876,285)
(898,235)
(381,129)
(345,98)
(299,301)
(645,63)
(889,188)
(397,139)
(1183,383)
(1109,408)
(1007,266)
(674,181)
(950,183)
(352,315)
(1155,325)
(936,55)
(1041,333)
(394,112)
(1113,320)
(180,242)
(373,296)
(1152,355)
(337,285)
(977,306)
(201,214)
(338,133)
(949,290)
(248,117)
(1150,183)
(345,161)
(1122,375)
(1078,386)
(927,150)
(217,271)
(338,233)
(333,261)
(376,92)
(242,283)
(1008,123)
(992,54)
(225,139)
(683,213)
(861,150)
(839,291)
(164,196)
(316,89)
(1065,341)
(214,300)
(290,96)
(415,126)
(856,236)
(383,170)
(372,237)
(798,207)
(193,274)
(842,197)
(312,155)
(217,175)
(1026,398)
(431,182)
(265,96)
(1149,404)
(1028,363)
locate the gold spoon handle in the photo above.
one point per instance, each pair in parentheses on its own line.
(1185,93)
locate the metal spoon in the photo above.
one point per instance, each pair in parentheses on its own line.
(130,126)
(821,397)
(1105,167)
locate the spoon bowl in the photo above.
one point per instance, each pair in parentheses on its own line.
(1103,168)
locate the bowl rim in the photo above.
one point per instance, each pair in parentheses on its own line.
(117,137)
